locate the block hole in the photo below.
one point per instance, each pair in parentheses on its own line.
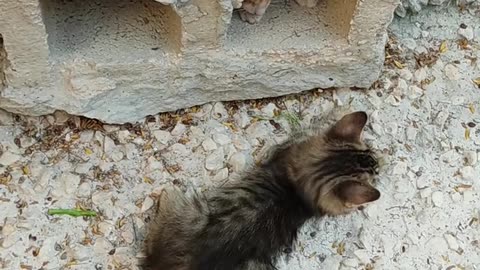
(286,25)
(3,64)
(110,30)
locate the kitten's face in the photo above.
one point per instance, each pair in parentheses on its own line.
(337,170)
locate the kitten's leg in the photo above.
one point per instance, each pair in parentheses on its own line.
(307,3)
(252,12)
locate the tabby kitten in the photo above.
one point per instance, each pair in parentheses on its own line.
(252,10)
(246,225)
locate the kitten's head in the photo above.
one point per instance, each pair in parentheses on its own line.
(336,169)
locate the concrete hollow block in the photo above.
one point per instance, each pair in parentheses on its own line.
(120,60)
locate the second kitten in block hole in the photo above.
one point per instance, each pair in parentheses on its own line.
(252,11)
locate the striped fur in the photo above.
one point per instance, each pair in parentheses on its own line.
(246,225)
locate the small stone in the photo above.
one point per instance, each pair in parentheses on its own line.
(470,158)
(409,43)
(468,196)
(69,182)
(456,197)
(6,118)
(406,74)
(179,149)
(240,143)
(393,100)
(391,128)
(179,129)
(350,263)
(420,74)
(221,175)
(139,141)
(422,183)
(400,168)
(153,164)
(83,168)
(420,50)
(451,71)
(219,111)
(147,204)
(102,246)
(84,190)
(467,173)
(402,87)
(105,228)
(117,155)
(411,133)
(8,158)
(221,139)
(9,241)
(237,161)
(257,130)
(124,136)
(8,229)
(86,136)
(100,197)
(131,151)
(128,237)
(451,241)
(441,118)
(437,198)
(111,128)
(162,136)
(414,92)
(215,160)
(362,255)
(466,33)
(241,119)
(377,128)
(209,145)
(269,110)
(109,145)
(61,117)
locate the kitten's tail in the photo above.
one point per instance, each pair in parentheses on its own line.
(177,221)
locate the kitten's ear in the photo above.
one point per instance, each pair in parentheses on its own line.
(349,128)
(354,193)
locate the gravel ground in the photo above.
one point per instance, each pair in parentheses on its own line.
(424,115)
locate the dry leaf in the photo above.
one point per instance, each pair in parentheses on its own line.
(471,108)
(88,151)
(463,44)
(341,248)
(476,81)
(26,170)
(443,47)
(398,64)
(148,180)
(462,187)
(467,134)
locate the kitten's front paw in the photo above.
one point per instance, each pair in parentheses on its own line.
(249,17)
(307,3)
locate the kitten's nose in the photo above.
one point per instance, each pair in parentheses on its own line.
(361,207)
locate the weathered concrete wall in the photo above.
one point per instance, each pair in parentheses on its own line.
(120,60)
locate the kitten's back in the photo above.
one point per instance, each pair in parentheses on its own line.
(175,224)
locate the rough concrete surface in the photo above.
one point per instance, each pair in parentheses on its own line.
(415,6)
(120,60)
(424,116)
